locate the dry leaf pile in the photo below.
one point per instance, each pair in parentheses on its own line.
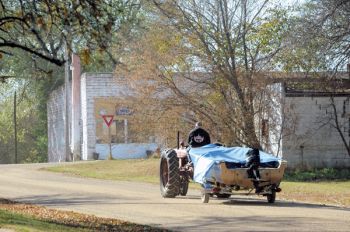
(73,219)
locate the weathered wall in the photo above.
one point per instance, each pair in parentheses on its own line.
(126,150)
(56,122)
(312,141)
(95,86)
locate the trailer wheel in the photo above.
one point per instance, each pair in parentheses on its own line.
(271,197)
(169,174)
(183,186)
(205,197)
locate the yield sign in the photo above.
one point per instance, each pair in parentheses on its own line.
(108,119)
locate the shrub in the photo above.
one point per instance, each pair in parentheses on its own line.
(318,175)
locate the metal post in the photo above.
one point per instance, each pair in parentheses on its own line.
(15,124)
(110,157)
(178,139)
(126,131)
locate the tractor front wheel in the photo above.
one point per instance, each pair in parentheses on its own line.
(169,174)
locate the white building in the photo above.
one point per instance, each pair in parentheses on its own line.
(93,97)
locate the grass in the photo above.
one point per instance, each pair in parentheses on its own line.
(143,170)
(321,192)
(18,222)
(326,186)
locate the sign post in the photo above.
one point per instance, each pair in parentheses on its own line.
(108,120)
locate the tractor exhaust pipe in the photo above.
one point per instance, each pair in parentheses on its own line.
(178,139)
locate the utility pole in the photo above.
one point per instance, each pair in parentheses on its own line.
(15,124)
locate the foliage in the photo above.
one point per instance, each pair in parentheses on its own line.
(323,174)
(318,38)
(33,80)
(328,20)
(43,28)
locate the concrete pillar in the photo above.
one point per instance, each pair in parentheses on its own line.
(76,105)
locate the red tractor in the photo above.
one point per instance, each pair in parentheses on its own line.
(223,177)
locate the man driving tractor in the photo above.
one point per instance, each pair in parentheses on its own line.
(198,136)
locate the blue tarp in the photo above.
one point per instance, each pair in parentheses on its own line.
(204,159)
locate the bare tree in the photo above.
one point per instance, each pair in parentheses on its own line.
(319,37)
(207,58)
(331,20)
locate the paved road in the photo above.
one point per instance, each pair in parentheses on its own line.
(141,203)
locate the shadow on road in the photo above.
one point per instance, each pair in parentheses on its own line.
(249,201)
(262,223)
(64,200)
(61,200)
(279,204)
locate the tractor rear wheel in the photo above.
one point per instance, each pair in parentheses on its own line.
(169,174)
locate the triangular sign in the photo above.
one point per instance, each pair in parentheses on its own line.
(108,119)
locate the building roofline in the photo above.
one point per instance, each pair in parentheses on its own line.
(97,73)
(316,94)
